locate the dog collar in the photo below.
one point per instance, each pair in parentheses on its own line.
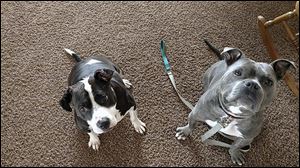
(229,113)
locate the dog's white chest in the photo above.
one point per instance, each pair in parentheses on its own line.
(231,129)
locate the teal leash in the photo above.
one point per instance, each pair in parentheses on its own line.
(220,124)
(171,77)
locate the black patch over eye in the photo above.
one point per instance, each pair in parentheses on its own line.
(268,82)
(100,97)
(85,106)
(237,72)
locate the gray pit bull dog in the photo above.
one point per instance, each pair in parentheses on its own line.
(239,88)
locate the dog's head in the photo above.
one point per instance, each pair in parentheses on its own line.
(93,100)
(248,86)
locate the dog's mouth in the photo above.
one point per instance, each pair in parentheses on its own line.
(253,97)
(102,131)
(108,129)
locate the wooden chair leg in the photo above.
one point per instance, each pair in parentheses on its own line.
(266,37)
(267,40)
(291,35)
(292,83)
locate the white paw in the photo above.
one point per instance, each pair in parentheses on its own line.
(127,83)
(139,126)
(180,136)
(182,133)
(94,142)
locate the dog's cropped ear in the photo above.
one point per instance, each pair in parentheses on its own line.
(66,99)
(280,67)
(103,74)
(231,55)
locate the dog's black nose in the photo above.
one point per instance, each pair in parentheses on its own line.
(252,85)
(103,123)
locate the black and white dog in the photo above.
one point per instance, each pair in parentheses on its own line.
(100,97)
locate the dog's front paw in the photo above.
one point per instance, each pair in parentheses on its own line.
(94,142)
(182,132)
(139,126)
(237,156)
(127,83)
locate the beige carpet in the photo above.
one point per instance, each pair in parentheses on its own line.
(36,131)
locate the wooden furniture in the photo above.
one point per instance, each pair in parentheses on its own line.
(268,42)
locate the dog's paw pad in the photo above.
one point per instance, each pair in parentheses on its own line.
(94,143)
(127,83)
(139,126)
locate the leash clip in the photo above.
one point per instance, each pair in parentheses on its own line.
(225,121)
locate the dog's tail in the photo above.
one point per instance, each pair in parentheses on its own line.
(74,55)
(214,49)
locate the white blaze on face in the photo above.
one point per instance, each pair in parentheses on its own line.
(99,111)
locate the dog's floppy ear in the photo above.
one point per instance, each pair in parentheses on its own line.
(66,99)
(103,74)
(230,55)
(280,67)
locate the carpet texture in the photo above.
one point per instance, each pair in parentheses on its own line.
(36,131)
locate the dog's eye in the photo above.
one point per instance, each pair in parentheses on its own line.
(100,97)
(268,82)
(237,72)
(82,109)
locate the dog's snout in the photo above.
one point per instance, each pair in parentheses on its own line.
(252,85)
(103,123)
